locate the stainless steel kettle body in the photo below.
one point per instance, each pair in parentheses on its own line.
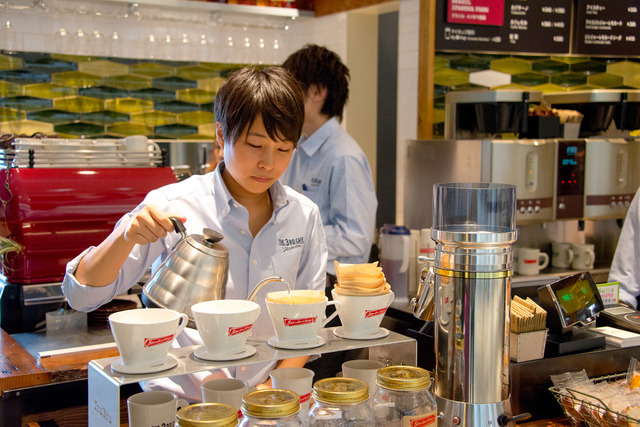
(196,270)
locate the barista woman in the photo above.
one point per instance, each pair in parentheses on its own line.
(259,116)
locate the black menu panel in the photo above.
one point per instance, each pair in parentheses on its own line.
(531,26)
(607,27)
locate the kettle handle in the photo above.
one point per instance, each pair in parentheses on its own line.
(178,226)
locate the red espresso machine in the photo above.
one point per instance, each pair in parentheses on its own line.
(56,204)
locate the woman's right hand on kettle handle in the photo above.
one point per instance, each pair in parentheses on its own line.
(150,224)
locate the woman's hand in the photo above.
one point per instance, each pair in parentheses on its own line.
(149,225)
(101,265)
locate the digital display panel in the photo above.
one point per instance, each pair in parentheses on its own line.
(577,298)
(571,158)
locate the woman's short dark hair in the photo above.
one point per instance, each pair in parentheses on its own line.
(318,65)
(271,93)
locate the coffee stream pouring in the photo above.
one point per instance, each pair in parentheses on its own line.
(196,270)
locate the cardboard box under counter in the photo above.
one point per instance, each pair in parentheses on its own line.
(527,345)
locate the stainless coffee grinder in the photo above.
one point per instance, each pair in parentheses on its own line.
(467,294)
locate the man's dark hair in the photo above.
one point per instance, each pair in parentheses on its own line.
(270,93)
(318,65)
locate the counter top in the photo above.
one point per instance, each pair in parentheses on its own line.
(19,368)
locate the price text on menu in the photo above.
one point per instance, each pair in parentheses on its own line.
(526,26)
(608,27)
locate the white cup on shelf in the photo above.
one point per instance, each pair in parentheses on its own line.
(530,261)
(154,408)
(561,254)
(584,256)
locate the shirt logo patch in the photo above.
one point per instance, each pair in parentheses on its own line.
(287,244)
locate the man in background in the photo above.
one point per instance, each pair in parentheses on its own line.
(625,267)
(328,165)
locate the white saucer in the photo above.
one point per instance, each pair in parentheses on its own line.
(118,366)
(248,350)
(296,345)
(381,333)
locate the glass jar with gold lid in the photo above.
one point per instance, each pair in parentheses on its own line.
(272,408)
(403,397)
(207,415)
(340,402)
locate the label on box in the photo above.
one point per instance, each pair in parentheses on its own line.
(609,292)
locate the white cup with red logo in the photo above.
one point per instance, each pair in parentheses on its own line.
(144,335)
(224,325)
(297,317)
(530,261)
(361,315)
(297,380)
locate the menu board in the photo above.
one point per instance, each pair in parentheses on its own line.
(531,26)
(608,27)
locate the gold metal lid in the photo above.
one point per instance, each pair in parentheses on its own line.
(271,403)
(402,377)
(207,414)
(340,390)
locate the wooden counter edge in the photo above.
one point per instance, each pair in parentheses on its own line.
(18,368)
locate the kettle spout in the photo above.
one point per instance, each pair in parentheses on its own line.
(254,292)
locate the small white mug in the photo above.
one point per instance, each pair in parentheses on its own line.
(154,408)
(297,380)
(530,261)
(229,391)
(138,149)
(364,370)
(584,256)
(561,254)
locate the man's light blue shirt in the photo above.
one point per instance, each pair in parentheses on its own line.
(330,168)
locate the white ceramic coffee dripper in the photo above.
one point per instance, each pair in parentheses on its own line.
(224,326)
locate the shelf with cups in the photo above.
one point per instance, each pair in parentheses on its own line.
(221,7)
(105,383)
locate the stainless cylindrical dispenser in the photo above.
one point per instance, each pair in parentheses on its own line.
(474,226)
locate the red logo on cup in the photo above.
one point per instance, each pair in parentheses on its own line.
(305,398)
(530,261)
(421,422)
(239,330)
(298,322)
(373,313)
(150,342)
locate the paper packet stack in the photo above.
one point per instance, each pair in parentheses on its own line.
(526,315)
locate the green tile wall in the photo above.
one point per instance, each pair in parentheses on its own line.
(464,71)
(93,97)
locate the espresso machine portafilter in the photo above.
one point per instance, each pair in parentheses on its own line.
(467,294)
